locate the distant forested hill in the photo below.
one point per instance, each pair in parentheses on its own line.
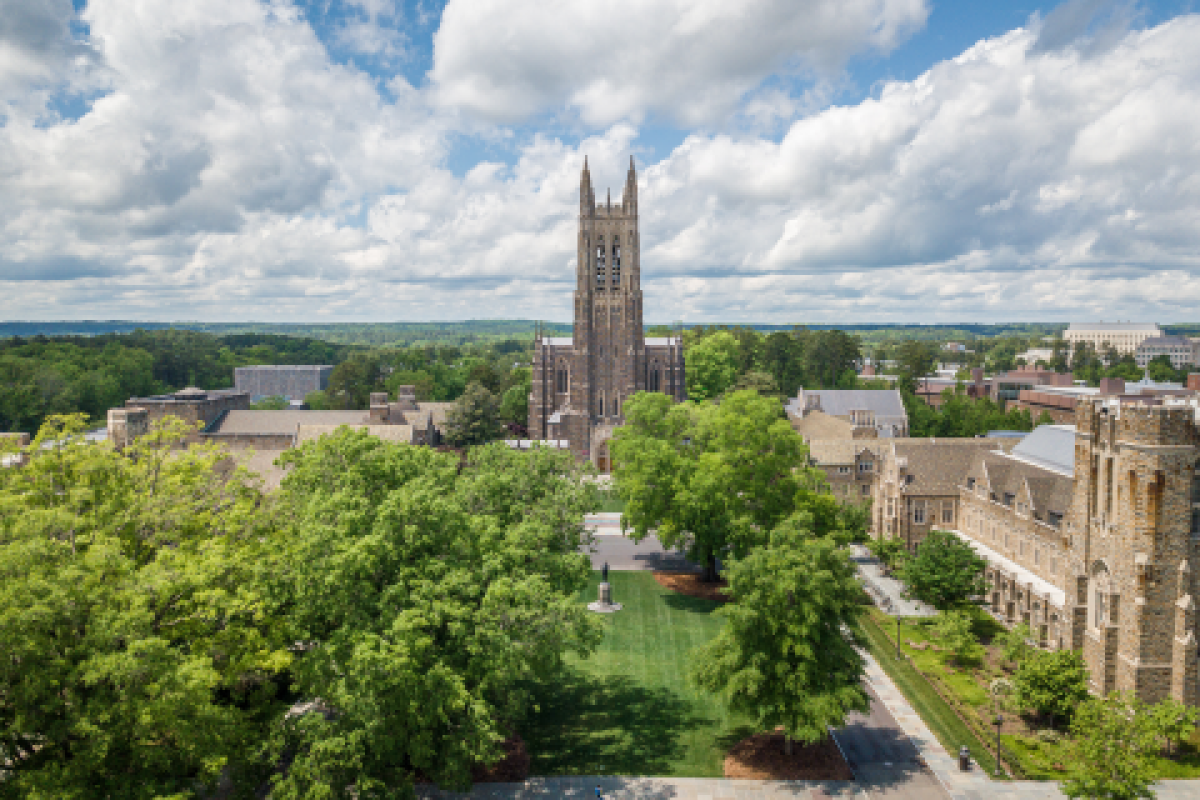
(405,334)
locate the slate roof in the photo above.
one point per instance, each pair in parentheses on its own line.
(819,425)
(939,466)
(835,452)
(1003,474)
(244,421)
(1051,447)
(840,402)
(388,433)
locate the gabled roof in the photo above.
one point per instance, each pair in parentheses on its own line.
(886,403)
(1002,474)
(938,466)
(819,425)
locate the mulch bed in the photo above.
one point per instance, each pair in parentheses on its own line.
(513,766)
(689,583)
(761,757)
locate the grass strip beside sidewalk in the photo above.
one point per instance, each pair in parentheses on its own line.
(942,720)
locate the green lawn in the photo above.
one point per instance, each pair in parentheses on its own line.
(628,709)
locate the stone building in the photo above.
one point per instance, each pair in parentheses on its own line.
(916,489)
(871,412)
(1090,536)
(850,465)
(290,381)
(1182,351)
(580,383)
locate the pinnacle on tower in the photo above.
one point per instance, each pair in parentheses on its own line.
(629,200)
(587,199)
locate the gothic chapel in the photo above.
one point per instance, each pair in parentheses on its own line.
(580,383)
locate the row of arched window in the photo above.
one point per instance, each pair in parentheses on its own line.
(607,255)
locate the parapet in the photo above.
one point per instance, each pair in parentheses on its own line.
(126,424)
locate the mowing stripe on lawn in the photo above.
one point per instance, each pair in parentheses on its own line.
(942,720)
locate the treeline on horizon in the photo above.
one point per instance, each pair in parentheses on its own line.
(404,334)
(42,375)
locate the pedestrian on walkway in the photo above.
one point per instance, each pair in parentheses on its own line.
(598,795)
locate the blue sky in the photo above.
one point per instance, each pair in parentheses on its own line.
(799,160)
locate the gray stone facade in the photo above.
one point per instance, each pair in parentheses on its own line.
(1097,552)
(292,381)
(580,383)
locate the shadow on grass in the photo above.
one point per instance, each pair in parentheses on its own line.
(588,725)
(695,605)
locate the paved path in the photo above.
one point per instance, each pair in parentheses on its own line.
(887,592)
(623,554)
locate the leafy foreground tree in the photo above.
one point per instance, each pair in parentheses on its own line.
(787,655)
(944,572)
(717,478)
(1114,739)
(712,365)
(475,418)
(428,597)
(137,660)
(1052,683)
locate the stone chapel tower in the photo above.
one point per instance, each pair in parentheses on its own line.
(580,384)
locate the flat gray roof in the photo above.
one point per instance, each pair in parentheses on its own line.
(1051,447)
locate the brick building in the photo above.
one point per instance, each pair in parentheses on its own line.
(1090,534)
(580,382)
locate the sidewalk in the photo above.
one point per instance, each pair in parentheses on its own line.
(886,591)
(584,787)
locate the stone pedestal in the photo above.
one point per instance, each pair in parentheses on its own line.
(604,603)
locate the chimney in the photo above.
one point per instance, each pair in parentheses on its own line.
(1112,386)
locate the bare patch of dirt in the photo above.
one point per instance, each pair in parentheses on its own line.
(689,583)
(761,757)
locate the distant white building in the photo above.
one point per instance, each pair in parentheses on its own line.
(1181,350)
(1123,336)
(1031,357)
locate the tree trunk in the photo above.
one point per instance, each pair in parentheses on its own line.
(787,745)
(710,568)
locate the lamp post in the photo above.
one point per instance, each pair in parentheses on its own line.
(999,722)
(897,637)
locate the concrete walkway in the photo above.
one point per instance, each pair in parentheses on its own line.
(888,592)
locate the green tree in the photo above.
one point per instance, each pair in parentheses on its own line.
(514,403)
(888,550)
(275,403)
(956,631)
(716,477)
(1052,683)
(1044,419)
(829,355)
(1114,738)
(138,661)
(711,365)
(914,360)
(1160,368)
(1175,721)
(474,418)
(431,598)
(783,358)
(787,655)
(1014,643)
(944,572)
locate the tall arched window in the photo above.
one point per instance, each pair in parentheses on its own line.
(655,379)
(616,262)
(600,262)
(600,398)
(563,379)
(1100,596)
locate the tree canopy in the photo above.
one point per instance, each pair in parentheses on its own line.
(944,572)
(138,660)
(429,594)
(787,655)
(716,478)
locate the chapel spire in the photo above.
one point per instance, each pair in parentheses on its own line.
(587,199)
(629,199)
